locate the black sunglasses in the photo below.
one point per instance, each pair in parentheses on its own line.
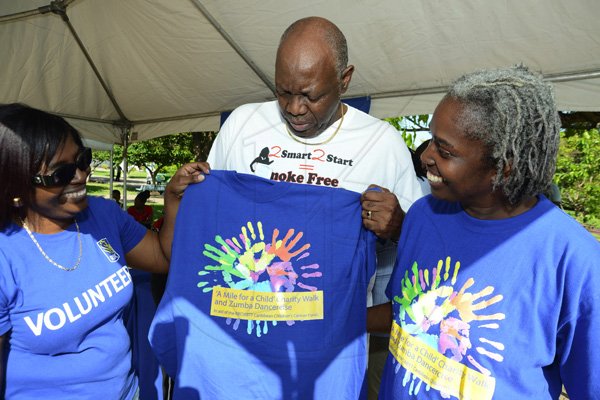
(66,172)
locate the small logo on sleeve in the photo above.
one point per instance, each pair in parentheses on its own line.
(108,251)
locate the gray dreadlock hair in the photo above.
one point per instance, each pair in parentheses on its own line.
(331,34)
(512,111)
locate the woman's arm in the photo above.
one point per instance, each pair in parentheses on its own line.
(188,174)
(149,217)
(153,252)
(147,255)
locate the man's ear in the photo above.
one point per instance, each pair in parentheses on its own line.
(346,78)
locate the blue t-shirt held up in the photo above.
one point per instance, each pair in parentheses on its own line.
(266,295)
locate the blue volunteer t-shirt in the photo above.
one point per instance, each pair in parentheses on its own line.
(493,309)
(266,295)
(67,338)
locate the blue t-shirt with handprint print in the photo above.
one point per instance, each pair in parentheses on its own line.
(501,309)
(266,294)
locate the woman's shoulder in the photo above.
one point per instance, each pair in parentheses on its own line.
(101,202)
(568,230)
(430,203)
(100,207)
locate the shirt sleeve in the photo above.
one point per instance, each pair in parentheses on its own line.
(130,231)
(217,157)
(407,187)
(577,348)
(226,147)
(579,369)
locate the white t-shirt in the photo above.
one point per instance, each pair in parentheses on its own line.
(366,150)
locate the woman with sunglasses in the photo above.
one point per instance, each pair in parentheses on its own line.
(64,260)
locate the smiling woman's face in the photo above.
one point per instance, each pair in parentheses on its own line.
(455,163)
(60,204)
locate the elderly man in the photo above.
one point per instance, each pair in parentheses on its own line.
(308,136)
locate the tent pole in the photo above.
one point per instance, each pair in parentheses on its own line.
(225,35)
(60,8)
(125,141)
(572,76)
(560,77)
(110,168)
(36,11)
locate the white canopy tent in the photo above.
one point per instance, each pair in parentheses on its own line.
(155,67)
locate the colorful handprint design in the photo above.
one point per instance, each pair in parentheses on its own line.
(249,262)
(431,310)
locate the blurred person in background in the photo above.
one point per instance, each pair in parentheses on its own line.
(140,211)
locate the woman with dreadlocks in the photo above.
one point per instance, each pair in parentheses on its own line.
(496,291)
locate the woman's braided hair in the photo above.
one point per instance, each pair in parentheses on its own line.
(512,111)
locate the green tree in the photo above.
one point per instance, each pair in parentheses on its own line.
(102,156)
(165,153)
(156,154)
(99,157)
(202,142)
(409,126)
(578,174)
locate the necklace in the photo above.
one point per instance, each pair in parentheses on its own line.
(295,138)
(51,261)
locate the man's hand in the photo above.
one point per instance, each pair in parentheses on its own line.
(381,212)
